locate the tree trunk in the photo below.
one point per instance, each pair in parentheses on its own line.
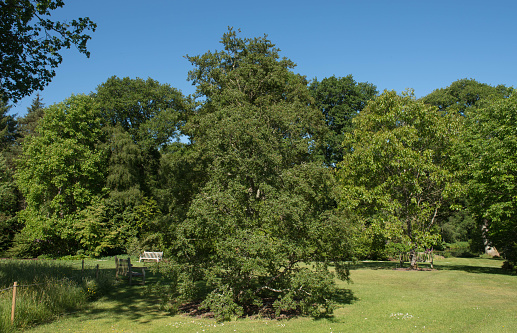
(412,258)
(489,249)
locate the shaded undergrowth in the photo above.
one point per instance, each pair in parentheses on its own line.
(267,309)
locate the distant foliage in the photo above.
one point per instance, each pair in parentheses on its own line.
(397,173)
(490,147)
(340,99)
(464,94)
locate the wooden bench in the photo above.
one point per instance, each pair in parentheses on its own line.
(156,256)
(125,269)
(420,257)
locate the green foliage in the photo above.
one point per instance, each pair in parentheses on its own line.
(125,161)
(109,226)
(27,124)
(152,113)
(8,191)
(93,230)
(31,44)
(60,171)
(466,97)
(396,173)
(142,119)
(222,303)
(464,94)
(339,99)
(8,206)
(90,169)
(263,206)
(459,227)
(8,127)
(8,199)
(311,293)
(490,147)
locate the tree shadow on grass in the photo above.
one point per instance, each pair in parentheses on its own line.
(473,269)
(344,297)
(427,267)
(125,302)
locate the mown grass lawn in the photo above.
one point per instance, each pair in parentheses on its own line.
(461,295)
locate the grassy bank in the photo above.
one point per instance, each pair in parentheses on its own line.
(461,295)
(46,289)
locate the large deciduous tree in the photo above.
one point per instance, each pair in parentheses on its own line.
(151,112)
(143,116)
(489,150)
(396,172)
(340,99)
(30,44)
(463,94)
(60,172)
(466,97)
(263,210)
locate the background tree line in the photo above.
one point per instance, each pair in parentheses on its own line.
(259,174)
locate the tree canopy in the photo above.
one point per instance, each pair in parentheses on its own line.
(489,152)
(8,127)
(340,99)
(60,171)
(30,44)
(463,94)
(263,208)
(396,173)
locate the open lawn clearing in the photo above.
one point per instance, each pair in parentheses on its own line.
(463,295)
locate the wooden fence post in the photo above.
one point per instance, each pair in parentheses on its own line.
(130,271)
(97,272)
(14,302)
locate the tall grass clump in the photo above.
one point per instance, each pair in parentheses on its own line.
(46,290)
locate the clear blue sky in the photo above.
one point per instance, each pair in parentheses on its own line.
(393,44)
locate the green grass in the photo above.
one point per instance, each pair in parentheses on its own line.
(46,289)
(461,295)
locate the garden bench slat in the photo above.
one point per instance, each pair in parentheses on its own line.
(147,255)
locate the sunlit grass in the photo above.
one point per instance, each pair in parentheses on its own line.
(462,295)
